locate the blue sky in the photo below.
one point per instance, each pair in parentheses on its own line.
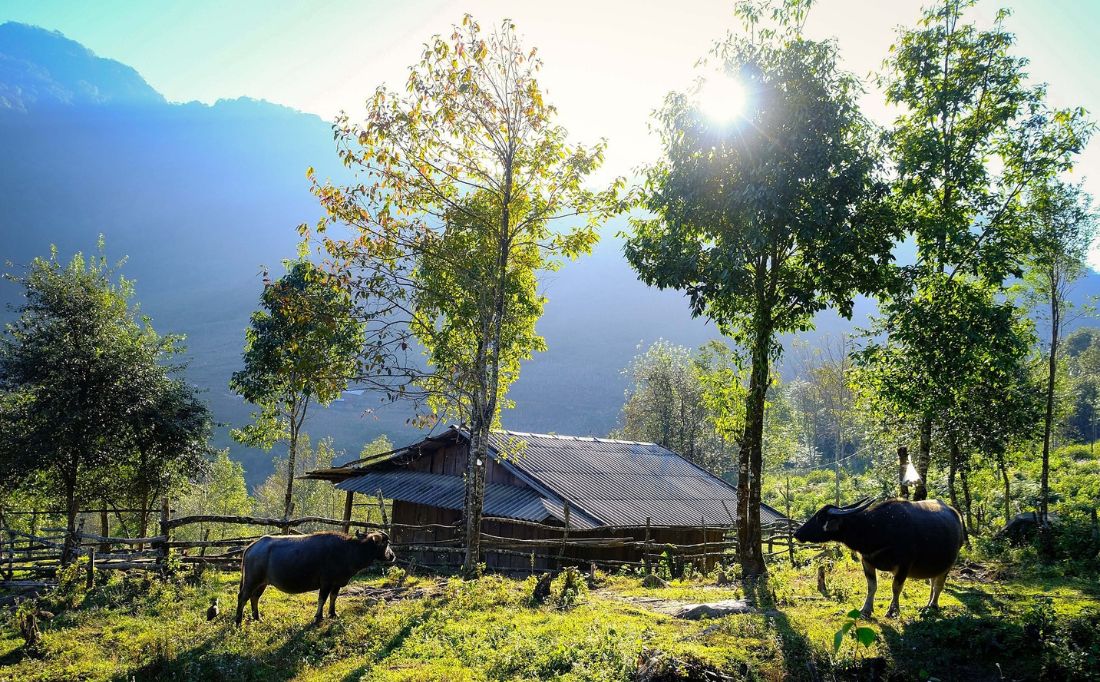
(607,64)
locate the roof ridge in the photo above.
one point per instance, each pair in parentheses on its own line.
(558,436)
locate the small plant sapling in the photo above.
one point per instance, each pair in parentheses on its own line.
(862,634)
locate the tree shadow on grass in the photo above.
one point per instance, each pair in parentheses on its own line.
(976,601)
(394,643)
(798,654)
(950,645)
(207,662)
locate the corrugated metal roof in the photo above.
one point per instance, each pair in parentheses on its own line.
(605,481)
(623,482)
(448,492)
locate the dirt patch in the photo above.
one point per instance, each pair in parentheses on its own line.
(374,595)
(686,609)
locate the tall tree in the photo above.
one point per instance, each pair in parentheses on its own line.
(1064,228)
(85,385)
(973,135)
(668,404)
(769,219)
(463,181)
(300,350)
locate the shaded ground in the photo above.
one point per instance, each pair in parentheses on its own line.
(447,629)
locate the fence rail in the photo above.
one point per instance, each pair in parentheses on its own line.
(25,555)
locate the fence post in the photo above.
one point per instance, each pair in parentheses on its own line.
(89,581)
(347,511)
(11,555)
(564,536)
(790,524)
(74,544)
(382,508)
(703,523)
(165,516)
(645,550)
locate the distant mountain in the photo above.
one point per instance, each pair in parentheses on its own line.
(41,70)
(201,198)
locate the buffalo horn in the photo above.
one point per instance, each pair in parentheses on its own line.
(854,508)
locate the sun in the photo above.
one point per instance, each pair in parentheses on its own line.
(722,99)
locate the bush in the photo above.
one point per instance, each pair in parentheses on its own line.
(569,588)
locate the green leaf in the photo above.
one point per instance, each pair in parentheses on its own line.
(838,638)
(866,636)
(855,614)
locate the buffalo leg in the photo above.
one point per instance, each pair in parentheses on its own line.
(242,597)
(256,594)
(332,602)
(899,583)
(322,595)
(872,585)
(937,587)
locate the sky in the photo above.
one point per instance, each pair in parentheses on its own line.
(607,64)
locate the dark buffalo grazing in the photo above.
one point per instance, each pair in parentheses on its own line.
(909,539)
(302,563)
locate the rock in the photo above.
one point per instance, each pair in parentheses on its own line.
(727,607)
(652,581)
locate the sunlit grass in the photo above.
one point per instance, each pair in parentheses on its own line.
(489,630)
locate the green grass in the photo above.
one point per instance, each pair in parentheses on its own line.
(489,630)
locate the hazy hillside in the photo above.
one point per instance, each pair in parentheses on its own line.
(200,198)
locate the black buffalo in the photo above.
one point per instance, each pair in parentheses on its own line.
(302,563)
(908,539)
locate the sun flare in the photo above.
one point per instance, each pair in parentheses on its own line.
(722,98)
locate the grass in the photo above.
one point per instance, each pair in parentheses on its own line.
(489,630)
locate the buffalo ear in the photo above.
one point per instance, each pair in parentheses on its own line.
(360,534)
(832,524)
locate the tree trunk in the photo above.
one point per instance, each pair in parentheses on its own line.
(838,450)
(751,460)
(924,456)
(1048,417)
(104,528)
(475,490)
(903,459)
(963,474)
(297,418)
(488,370)
(1008,489)
(71,544)
(952,470)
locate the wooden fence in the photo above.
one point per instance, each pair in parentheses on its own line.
(38,555)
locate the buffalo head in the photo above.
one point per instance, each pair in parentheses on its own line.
(826,524)
(379,544)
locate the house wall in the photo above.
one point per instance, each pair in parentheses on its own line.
(451,461)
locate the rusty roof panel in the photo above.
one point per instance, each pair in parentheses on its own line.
(448,492)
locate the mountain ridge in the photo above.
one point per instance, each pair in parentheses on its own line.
(202,198)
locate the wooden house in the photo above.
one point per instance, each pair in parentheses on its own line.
(597,487)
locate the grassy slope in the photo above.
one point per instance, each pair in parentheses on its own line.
(487,630)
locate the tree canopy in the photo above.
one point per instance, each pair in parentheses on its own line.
(765,221)
(300,349)
(88,392)
(467,187)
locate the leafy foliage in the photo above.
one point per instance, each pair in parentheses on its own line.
(89,399)
(769,220)
(673,401)
(300,348)
(462,181)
